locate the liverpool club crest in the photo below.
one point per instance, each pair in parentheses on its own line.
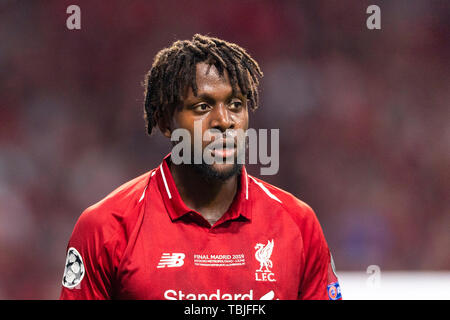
(263,254)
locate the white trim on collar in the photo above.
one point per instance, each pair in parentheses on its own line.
(165,182)
(143,194)
(270,194)
(246,185)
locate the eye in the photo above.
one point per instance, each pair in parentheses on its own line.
(236,104)
(202,107)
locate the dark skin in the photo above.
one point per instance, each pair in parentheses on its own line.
(216,108)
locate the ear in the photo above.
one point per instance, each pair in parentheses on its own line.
(165,125)
(167,133)
(165,128)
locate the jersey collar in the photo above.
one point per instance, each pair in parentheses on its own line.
(176,208)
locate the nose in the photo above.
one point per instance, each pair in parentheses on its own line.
(221,118)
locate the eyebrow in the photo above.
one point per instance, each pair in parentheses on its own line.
(210,99)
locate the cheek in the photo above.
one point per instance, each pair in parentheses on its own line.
(241,120)
(185,121)
(182,120)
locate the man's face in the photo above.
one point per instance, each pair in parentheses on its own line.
(214,107)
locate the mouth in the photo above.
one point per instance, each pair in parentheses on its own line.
(223,149)
(223,152)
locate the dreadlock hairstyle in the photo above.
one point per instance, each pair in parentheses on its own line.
(174,70)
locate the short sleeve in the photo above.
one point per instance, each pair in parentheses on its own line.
(88,269)
(319,280)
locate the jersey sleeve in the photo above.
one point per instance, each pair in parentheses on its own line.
(89,266)
(319,281)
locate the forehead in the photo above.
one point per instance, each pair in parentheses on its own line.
(209,80)
(210,83)
(208,74)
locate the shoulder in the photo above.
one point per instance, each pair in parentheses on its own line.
(296,211)
(114,212)
(299,211)
(283,198)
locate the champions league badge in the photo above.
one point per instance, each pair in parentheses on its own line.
(334,291)
(74,269)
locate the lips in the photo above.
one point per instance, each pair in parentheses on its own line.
(223,153)
(220,149)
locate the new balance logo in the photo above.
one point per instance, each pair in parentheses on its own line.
(171,260)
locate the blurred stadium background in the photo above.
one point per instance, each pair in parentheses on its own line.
(363,118)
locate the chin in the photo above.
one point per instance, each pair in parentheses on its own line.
(221,172)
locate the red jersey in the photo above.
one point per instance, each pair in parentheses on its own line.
(143,242)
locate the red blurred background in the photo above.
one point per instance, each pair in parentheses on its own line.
(363,118)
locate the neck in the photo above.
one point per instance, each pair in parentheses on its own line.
(209,197)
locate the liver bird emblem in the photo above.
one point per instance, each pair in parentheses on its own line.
(263,253)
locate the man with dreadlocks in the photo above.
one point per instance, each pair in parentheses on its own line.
(190,231)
